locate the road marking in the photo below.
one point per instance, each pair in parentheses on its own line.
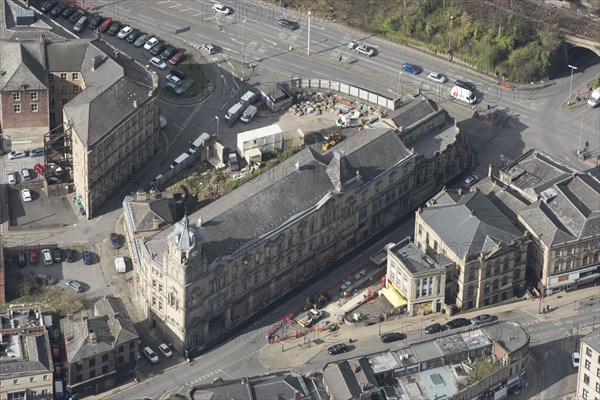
(170,26)
(145,17)
(273,43)
(175,6)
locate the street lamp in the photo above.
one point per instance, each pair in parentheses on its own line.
(571,84)
(399,75)
(579,150)
(450,38)
(243,42)
(309,33)
(217,118)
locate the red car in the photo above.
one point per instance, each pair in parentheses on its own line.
(55,351)
(177,58)
(105,25)
(34,257)
(40,169)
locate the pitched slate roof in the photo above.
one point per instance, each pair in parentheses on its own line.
(78,337)
(410,112)
(145,213)
(468,223)
(118,321)
(67,56)
(19,66)
(37,356)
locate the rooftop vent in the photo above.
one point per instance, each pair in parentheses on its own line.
(547,195)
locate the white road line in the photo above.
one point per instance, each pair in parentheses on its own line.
(145,17)
(170,26)
(175,6)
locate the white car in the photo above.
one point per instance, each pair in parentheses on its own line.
(163,121)
(47,257)
(150,355)
(158,63)
(13,155)
(575,358)
(73,284)
(26,194)
(434,76)
(174,79)
(366,50)
(208,48)
(470,181)
(221,9)
(150,43)
(124,32)
(166,350)
(12,178)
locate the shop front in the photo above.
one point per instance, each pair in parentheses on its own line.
(570,280)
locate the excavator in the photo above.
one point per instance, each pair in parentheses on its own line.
(317,301)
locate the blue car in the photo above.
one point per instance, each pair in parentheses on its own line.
(413,69)
(87,258)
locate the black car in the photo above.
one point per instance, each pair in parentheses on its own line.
(57,255)
(133,35)
(466,85)
(95,22)
(392,337)
(114,241)
(76,15)
(69,256)
(141,40)
(458,323)
(168,52)
(178,73)
(435,328)
(88,259)
(22,260)
(114,28)
(57,10)
(286,23)
(47,6)
(337,349)
(68,11)
(158,48)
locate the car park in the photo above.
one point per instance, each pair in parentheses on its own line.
(435,328)
(47,6)
(38,152)
(174,79)
(166,350)
(178,73)
(413,69)
(143,38)
(105,25)
(434,76)
(114,241)
(208,48)
(21,259)
(366,50)
(150,43)
(221,9)
(286,23)
(158,48)
(26,194)
(57,10)
(95,22)
(174,88)
(47,257)
(26,175)
(39,169)
(466,85)
(158,63)
(168,52)
(68,11)
(337,349)
(471,180)
(76,16)
(124,32)
(57,255)
(80,24)
(13,155)
(12,178)
(176,59)
(392,337)
(132,37)
(575,358)
(150,355)
(87,258)
(482,319)
(114,28)
(69,256)
(33,257)
(73,284)
(458,323)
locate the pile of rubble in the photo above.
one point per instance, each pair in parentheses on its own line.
(316,106)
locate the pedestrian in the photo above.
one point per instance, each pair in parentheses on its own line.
(340,59)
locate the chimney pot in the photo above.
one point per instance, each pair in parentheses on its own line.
(69,317)
(84,318)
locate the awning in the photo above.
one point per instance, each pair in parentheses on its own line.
(588,278)
(394,297)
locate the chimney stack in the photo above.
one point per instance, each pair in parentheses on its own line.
(84,318)
(69,317)
(297,395)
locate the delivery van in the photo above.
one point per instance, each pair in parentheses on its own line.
(248,98)
(463,94)
(594,99)
(179,160)
(234,111)
(249,113)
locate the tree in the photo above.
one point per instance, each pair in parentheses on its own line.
(528,63)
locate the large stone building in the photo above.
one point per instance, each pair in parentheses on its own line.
(218,267)
(488,251)
(100,350)
(26,369)
(588,374)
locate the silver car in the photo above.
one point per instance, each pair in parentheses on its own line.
(482,319)
(73,284)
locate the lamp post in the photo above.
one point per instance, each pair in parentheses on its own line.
(571,84)
(243,41)
(399,75)
(217,118)
(579,150)
(450,38)
(309,33)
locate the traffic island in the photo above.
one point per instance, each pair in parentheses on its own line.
(194,83)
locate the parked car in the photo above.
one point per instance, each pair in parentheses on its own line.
(47,6)
(435,328)
(33,257)
(221,9)
(13,155)
(208,48)
(73,284)
(143,38)
(178,73)
(286,23)
(176,59)
(95,22)
(68,11)
(434,76)
(458,323)
(88,259)
(124,32)
(132,37)
(114,28)
(575,359)
(168,52)
(76,16)
(57,255)
(337,349)
(114,241)
(36,152)
(392,337)
(150,43)
(47,257)
(40,169)
(26,175)
(55,350)
(57,10)
(26,194)
(21,259)
(471,180)
(150,355)
(158,48)
(69,256)
(413,69)
(174,79)
(105,25)
(166,350)
(11,178)
(158,63)
(482,319)
(466,85)
(45,279)
(174,88)
(366,50)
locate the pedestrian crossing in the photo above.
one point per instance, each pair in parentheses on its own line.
(219,373)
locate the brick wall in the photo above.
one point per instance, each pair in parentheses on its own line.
(26,118)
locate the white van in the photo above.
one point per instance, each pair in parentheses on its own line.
(249,113)
(234,111)
(79,25)
(594,99)
(179,160)
(248,98)
(196,144)
(463,94)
